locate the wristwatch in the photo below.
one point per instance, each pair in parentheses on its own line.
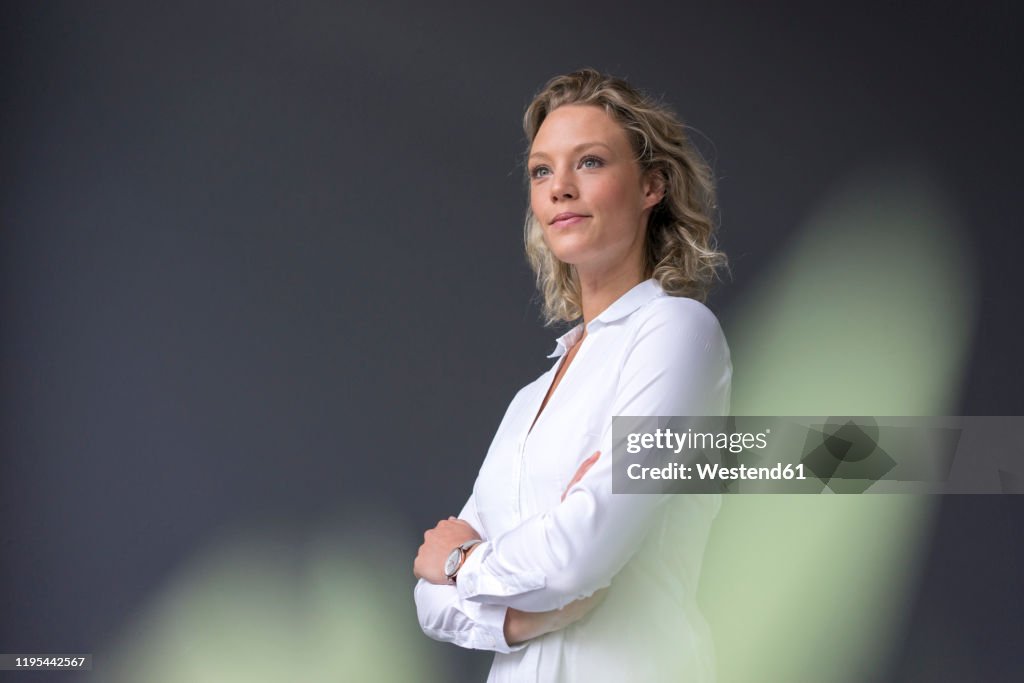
(456,557)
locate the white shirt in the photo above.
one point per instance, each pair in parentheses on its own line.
(648,354)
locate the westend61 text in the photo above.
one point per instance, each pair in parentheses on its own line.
(708,471)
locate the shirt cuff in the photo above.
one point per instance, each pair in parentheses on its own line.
(491,619)
(476,582)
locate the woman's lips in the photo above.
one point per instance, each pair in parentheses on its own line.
(564,220)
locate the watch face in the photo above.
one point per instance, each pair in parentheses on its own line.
(452,563)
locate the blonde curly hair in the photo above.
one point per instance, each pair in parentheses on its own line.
(680,249)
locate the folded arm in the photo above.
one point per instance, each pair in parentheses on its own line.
(446,616)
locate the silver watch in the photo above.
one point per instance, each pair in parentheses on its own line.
(456,557)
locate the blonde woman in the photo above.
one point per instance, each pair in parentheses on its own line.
(544,565)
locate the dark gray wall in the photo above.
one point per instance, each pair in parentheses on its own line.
(263,261)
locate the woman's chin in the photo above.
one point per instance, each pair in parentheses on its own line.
(570,259)
(567,252)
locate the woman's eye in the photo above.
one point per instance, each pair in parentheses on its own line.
(540,172)
(591,162)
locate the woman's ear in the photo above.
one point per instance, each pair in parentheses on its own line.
(654,187)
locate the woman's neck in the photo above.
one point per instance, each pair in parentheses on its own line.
(599,292)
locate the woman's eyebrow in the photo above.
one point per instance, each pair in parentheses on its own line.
(574,150)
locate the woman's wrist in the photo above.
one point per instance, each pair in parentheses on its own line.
(513,626)
(511,636)
(522,626)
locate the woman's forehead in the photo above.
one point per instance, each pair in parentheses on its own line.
(573,125)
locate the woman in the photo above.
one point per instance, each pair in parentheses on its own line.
(620,234)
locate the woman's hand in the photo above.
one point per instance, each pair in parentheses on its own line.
(522,626)
(584,466)
(438,543)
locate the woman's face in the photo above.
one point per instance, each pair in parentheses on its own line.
(588,192)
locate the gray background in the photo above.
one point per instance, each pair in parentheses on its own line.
(262,262)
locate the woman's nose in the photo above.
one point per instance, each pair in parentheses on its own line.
(563,187)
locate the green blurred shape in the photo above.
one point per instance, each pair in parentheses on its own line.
(248,610)
(868,312)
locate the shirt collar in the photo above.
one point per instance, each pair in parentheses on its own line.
(620,308)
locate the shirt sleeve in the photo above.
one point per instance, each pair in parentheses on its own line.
(444,615)
(677,364)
